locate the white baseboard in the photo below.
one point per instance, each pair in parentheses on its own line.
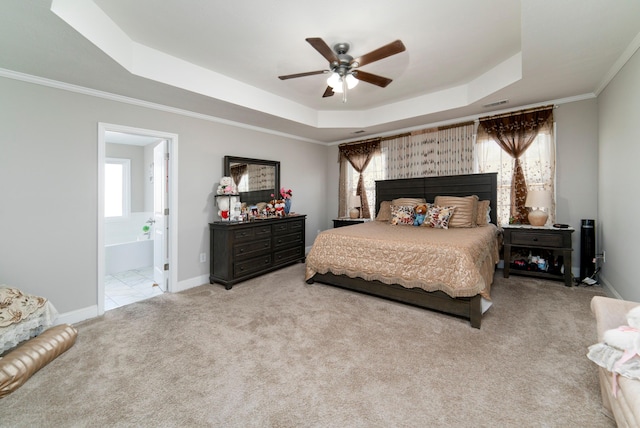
(190,283)
(78,315)
(608,288)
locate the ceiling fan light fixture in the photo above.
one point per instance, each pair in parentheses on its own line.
(335,81)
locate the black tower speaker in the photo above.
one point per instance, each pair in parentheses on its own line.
(587,249)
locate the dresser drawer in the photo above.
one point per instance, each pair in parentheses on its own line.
(539,239)
(288,255)
(287,240)
(252,233)
(252,248)
(287,226)
(250,266)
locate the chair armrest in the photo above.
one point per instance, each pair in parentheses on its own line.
(610,313)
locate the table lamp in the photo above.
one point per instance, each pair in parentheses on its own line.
(354,202)
(537,200)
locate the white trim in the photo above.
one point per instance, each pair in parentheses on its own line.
(78,315)
(172,203)
(191,283)
(620,62)
(10,74)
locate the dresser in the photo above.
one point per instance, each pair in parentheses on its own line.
(240,251)
(551,244)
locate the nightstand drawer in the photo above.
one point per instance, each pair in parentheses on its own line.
(537,239)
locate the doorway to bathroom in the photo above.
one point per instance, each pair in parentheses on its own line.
(137,208)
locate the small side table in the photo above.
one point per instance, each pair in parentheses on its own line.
(347,221)
(537,239)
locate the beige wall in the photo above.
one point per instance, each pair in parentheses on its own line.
(619,177)
(48,182)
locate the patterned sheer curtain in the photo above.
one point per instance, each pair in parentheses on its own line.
(520,147)
(261,177)
(410,155)
(430,152)
(456,149)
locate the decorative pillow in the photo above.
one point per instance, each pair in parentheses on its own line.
(483,218)
(384,214)
(466,209)
(409,201)
(438,217)
(402,215)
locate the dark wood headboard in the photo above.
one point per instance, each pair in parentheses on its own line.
(483,185)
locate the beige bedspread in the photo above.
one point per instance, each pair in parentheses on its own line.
(460,262)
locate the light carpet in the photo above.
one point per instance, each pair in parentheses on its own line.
(277,352)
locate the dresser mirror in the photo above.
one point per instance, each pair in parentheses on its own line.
(256,179)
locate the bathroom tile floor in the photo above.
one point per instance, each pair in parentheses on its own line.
(123,288)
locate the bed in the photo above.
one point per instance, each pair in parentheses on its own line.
(446,270)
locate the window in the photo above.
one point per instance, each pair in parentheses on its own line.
(117,187)
(375,171)
(538,165)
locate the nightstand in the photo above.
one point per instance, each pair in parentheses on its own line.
(549,243)
(341,222)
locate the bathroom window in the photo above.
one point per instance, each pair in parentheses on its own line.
(117,188)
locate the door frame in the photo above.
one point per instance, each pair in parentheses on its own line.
(172,146)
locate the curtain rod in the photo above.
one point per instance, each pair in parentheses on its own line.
(370,140)
(515,113)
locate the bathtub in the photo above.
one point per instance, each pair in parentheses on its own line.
(126,246)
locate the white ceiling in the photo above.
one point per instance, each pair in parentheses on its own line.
(221,58)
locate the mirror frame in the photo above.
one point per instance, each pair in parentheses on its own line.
(228,160)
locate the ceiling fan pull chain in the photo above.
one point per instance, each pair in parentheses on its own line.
(344,89)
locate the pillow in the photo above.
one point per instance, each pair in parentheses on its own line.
(409,201)
(402,215)
(483,218)
(384,213)
(438,217)
(466,209)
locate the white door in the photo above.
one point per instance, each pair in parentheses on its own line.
(160,215)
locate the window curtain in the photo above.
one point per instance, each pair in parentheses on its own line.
(444,150)
(455,149)
(261,177)
(358,155)
(514,133)
(237,171)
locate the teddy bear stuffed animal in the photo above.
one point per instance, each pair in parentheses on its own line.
(420,215)
(226,186)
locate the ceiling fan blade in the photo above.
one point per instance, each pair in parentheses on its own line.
(374,79)
(380,53)
(324,49)
(308,73)
(328,92)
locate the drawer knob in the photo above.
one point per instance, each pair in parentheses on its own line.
(242,250)
(535,239)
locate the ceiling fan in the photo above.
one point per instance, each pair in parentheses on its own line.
(344,69)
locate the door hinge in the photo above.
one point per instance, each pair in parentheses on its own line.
(166,156)
(166,211)
(166,266)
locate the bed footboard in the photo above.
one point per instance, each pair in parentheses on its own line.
(466,307)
